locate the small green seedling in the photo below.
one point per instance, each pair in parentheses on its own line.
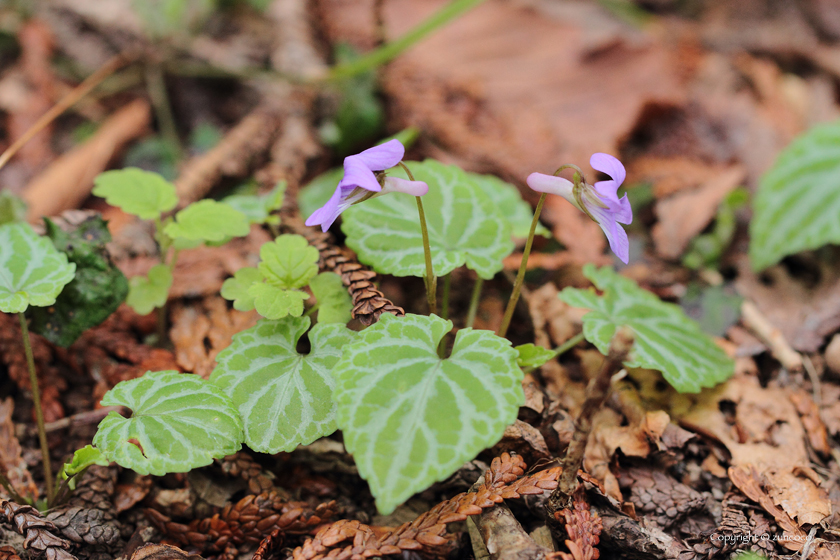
(149,196)
(275,287)
(32,272)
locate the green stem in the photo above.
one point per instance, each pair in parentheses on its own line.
(520,277)
(311,310)
(156,86)
(431,279)
(476,296)
(391,50)
(39,413)
(163,310)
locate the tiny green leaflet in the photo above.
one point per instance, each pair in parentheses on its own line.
(142,193)
(32,270)
(283,397)
(148,292)
(334,303)
(666,340)
(209,221)
(258,208)
(465,226)
(797,203)
(533,356)
(179,422)
(411,418)
(236,289)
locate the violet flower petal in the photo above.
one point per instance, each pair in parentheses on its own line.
(381,157)
(605,163)
(619,244)
(552,184)
(326,214)
(357,174)
(414,188)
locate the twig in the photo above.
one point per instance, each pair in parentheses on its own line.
(596,394)
(64,103)
(754,320)
(505,538)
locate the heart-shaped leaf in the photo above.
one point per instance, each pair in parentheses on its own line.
(465,226)
(506,196)
(334,303)
(284,398)
(32,270)
(797,203)
(179,422)
(148,292)
(666,340)
(208,220)
(142,193)
(411,418)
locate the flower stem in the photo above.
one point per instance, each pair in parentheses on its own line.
(39,413)
(520,277)
(476,296)
(391,50)
(431,279)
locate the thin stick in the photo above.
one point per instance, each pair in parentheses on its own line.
(156,86)
(474,299)
(596,393)
(520,277)
(64,103)
(39,413)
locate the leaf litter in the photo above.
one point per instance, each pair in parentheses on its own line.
(525,84)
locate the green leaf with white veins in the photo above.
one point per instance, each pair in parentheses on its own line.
(142,193)
(208,220)
(797,205)
(411,418)
(665,339)
(32,270)
(517,212)
(284,398)
(465,226)
(179,422)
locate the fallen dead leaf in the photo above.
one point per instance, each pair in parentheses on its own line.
(12,464)
(69,179)
(685,214)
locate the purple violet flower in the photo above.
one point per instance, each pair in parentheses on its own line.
(599,202)
(360,183)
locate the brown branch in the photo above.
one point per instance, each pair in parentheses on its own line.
(505,538)
(427,533)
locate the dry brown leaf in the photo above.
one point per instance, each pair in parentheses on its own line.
(684,215)
(200,331)
(525,88)
(809,413)
(12,464)
(748,481)
(69,179)
(805,314)
(669,175)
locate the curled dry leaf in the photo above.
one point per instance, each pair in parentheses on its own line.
(12,465)
(69,179)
